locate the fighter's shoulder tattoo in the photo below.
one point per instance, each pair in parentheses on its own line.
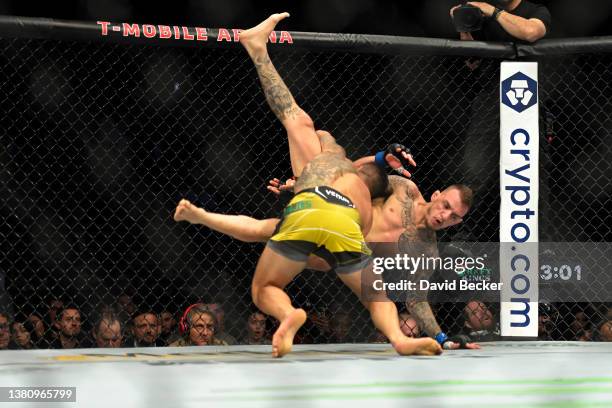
(418,240)
(323,169)
(405,197)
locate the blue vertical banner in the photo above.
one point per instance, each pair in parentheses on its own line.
(518,219)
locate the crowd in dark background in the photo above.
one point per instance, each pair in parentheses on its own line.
(61,325)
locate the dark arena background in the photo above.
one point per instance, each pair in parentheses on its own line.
(103,132)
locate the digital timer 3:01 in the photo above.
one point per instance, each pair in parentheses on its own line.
(562,272)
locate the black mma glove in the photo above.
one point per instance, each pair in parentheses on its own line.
(398,151)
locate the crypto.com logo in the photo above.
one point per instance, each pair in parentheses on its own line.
(519,92)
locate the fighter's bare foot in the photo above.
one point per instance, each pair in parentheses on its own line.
(282,341)
(185,211)
(419,347)
(254,39)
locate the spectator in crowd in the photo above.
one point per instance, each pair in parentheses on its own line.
(5,333)
(106,309)
(69,323)
(38,335)
(159,329)
(21,335)
(409,325)
(506,20)
(605,331)
(103,310)
(548,316)
(340,325)
(582,325)
(221,334)
(55,306)
(585,334)
(256,329)
(126,309)
(168,327)
(108,332)
(317,327)
(144,331)
(580,322)
(328,324)
(478,322)
(126,304)
(200,328)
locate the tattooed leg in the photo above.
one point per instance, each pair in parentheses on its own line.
(303,142)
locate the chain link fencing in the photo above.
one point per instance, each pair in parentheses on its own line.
(99,142)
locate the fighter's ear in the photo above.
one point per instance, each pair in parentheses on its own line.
(435,195)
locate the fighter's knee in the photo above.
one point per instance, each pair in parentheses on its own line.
(258,288)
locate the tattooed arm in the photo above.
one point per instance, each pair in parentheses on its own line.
(424,316)
(421,241)
(415,242)
(419,308)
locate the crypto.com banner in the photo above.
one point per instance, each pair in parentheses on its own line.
(518,218)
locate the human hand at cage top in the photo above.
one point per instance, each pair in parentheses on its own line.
(463,35)
(277,187)
(486,8)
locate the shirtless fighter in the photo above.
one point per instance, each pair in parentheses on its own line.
(405,216)
(328,216)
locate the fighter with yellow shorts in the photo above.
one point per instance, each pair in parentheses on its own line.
(323,222)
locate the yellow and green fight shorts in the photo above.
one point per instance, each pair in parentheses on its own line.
(323,222)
